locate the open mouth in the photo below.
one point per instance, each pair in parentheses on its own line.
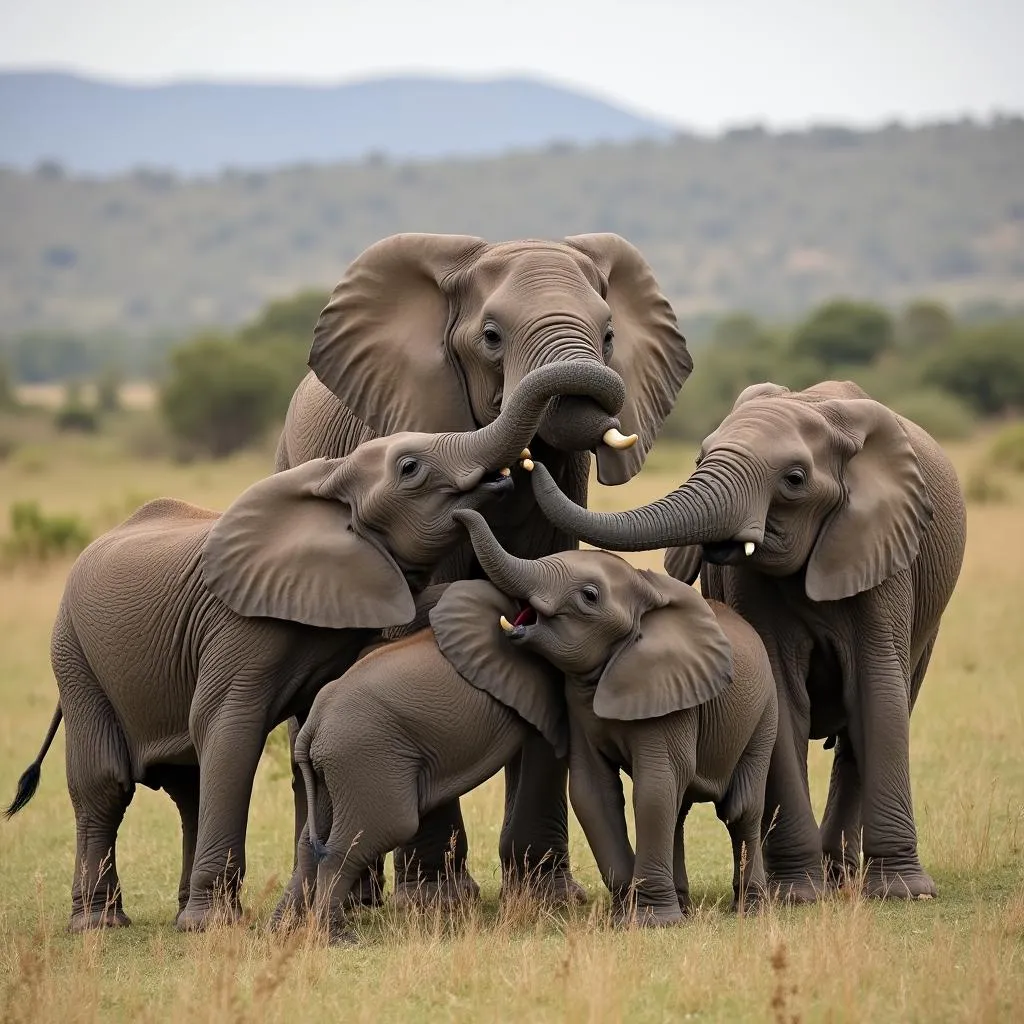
(497,481)
(516,629)
(728,552)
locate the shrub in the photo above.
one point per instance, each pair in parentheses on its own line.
(841,332)
(983,487)
(945,417)
(984,366)
(74,414)
(108,391)
(1007,449)
(37,536)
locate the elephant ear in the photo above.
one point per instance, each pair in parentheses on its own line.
(683,563)
(876,532)
(393,309)
(286,549)
(649,351)
(679,659)
(465,624)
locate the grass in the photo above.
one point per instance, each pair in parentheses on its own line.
(958,958)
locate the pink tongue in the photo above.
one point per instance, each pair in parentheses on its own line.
(525,617)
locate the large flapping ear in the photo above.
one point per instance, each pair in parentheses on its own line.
(286,549)
(683,563)
(379,344)
(680,658)
(465,623)
(649,351)
(876,531)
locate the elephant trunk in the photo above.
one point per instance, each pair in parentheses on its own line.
(713,506)
(501,441)
(517,577)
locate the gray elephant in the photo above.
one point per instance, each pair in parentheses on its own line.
(402,734)
(184,636)
(674,690)
(837,529)
(433,332)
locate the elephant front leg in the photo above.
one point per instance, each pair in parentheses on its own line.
(534,845)
(432,867)
(229,750)
(881,738)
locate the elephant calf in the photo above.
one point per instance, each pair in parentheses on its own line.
(401,734)
(675,690)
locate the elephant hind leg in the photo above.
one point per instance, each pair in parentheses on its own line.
(433,866)
(840,824)
(181,783)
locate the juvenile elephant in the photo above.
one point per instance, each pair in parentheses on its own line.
(402,733)
(837,529)
(433,332)
(184,636)
(674,690)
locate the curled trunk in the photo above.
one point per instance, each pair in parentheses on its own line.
(517,577)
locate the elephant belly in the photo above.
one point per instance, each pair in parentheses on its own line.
(825,690)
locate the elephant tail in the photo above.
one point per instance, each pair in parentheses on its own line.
(29,781)
(309,779)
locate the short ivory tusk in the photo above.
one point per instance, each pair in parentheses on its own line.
(614,438)
(748,548)
(525,453)
(506,625)
(527,464)
(505,472)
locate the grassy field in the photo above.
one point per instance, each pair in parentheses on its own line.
(960,957)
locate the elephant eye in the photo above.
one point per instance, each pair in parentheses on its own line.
(796,477)
(492,336)
(590,594)
(609,338)
(407,467)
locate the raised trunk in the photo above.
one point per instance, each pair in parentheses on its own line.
(712,506)
(500,442)
(517,577)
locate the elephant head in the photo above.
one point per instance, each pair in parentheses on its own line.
(345,543)
(466,320)
(824,481)
(650,644)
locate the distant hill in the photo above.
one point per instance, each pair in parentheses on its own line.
(97,127)
(772,223)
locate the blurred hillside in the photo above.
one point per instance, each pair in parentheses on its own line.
(101,127)
(773,223)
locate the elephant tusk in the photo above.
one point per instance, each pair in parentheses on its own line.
(505,472)
(614,438)
(506,625)
(748,548)
(527,464)
(525,453)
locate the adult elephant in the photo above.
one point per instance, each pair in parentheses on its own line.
(432,332)
(837,529)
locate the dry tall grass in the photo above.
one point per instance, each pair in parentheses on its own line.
(955,958)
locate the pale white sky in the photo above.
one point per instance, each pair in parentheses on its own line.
(697,64)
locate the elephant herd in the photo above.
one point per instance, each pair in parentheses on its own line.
(406,591)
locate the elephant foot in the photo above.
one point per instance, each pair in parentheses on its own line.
(445,891)
(550,887)
(884,880)
(339,935)
(367,892)
(683,899)
(108,917)
(198,916)
(755,899)
(627,916)
(840,873)
(795,889)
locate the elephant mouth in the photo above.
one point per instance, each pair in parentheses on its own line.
(516,629)
(728,552)
(495,481)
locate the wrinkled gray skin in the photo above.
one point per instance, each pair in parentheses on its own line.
(674,690)
(432,332)
(859,528)
(400,735)
(184,636)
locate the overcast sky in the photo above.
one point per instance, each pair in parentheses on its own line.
(697,64)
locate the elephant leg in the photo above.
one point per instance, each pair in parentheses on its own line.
(229,748)
(181,783)
(840,824)
(682,880)
(792,842)
(298,786)
(433,866)
(534,844)
(881,739)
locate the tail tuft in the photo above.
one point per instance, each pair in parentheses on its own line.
(27,785)
(319,849)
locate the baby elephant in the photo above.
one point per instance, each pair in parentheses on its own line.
(675,690)
(401,734)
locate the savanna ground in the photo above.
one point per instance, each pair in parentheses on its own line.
(960,957)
